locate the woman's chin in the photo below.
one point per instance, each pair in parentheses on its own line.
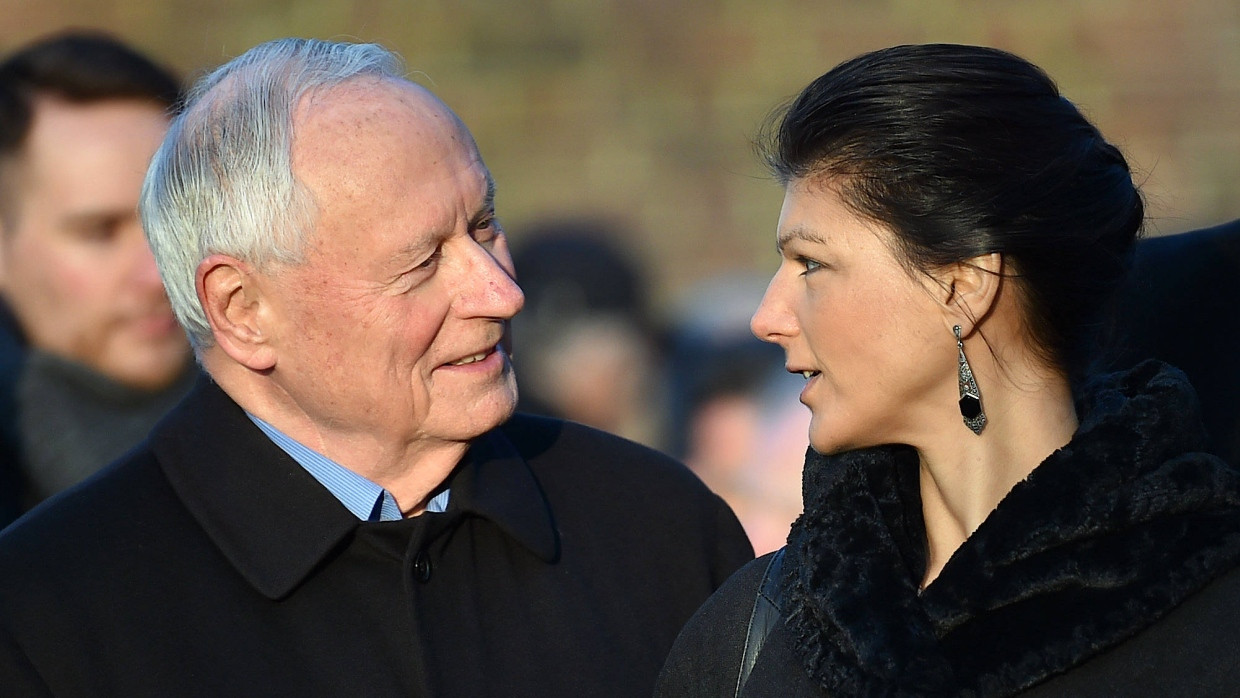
(828,439)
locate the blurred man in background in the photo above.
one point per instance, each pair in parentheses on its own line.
(586,306)
(735,414)
(90,354)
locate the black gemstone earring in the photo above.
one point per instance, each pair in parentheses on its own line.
(970,396)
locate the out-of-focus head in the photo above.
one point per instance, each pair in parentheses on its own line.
(80,116)
(950,157)
(585,306)
(326,230)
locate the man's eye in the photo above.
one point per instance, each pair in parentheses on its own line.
(98,232)
(810,265)
(431,260)
(486,229)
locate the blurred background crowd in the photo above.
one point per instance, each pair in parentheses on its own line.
(619,133)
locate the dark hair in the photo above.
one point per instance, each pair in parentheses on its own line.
(964,151)
(78,67)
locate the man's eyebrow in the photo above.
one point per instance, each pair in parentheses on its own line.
(798,233)
(488,203)
(409,254)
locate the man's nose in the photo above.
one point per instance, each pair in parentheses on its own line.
(490,289)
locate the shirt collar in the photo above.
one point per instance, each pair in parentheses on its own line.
(367,500)
(275,523)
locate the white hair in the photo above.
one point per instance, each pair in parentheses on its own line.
(222,181)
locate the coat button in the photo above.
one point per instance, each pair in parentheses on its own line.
(422,567)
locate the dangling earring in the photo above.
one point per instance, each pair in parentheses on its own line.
(970,396)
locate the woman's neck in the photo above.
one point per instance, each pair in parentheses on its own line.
(964,476)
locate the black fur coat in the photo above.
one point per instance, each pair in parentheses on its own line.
(1107,536)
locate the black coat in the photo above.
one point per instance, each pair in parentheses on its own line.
(1110,571)
(1182,306)
(208,563)
(12,481)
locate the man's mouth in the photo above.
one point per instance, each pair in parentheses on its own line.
(154,324)
(472,359)
(808,374)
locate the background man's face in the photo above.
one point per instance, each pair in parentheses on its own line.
(74,265)
(392,328)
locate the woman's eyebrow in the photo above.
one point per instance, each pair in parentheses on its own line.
(798,233)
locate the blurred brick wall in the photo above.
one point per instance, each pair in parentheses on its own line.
(641,111)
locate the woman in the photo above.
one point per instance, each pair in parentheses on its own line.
(980,519)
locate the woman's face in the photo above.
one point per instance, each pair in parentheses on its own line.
(871,337)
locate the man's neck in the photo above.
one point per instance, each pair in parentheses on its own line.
(412,470)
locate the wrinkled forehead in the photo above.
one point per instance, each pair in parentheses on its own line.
(371,105)
(366,127)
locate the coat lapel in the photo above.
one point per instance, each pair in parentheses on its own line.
(271,519)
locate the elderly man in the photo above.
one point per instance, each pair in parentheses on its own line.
(90,355)
(347,506)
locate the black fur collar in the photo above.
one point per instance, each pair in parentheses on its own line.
(1105,536)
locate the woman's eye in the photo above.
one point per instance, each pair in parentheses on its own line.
(810,264)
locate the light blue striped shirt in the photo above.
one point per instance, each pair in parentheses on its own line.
(367,500)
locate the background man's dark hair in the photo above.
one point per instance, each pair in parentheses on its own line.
(78,67)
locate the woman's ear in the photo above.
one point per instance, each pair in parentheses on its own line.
(969,289)
(236,309)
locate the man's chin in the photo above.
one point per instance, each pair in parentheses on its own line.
(483,415)
(496,413)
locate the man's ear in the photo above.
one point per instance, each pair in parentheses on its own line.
(969,289)
(232,298)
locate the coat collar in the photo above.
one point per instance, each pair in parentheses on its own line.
(496,483)
(1075,559)
(276,524)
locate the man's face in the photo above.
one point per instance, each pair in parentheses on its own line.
(74,264)
(391,329)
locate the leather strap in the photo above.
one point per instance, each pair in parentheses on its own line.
(763,618)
